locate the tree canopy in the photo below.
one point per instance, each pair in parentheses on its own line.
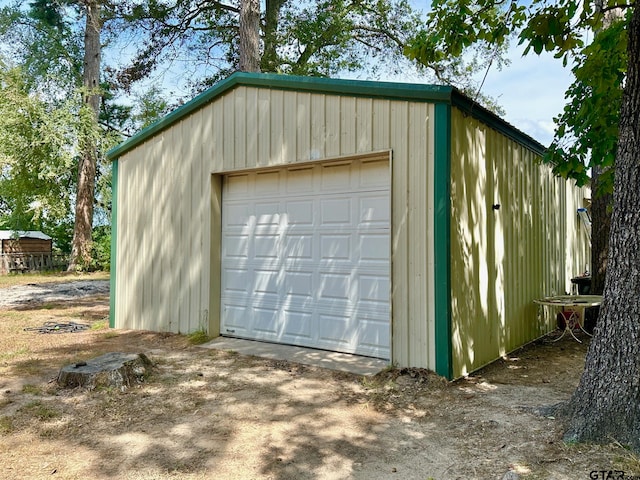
(35,155)
(581,34)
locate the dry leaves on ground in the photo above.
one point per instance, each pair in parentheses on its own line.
(212,414)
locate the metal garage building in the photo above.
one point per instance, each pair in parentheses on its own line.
(398,221)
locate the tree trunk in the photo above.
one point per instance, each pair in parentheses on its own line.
(109,370)
(269,61)
(81,243)
(606,404)
(249,36)
(601,203)
(600,230)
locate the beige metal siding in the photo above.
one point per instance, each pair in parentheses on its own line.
(501,260)
(169,201)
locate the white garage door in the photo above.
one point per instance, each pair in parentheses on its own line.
(305,256)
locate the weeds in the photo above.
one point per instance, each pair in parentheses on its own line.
(198,337)
(100,325)
(40,410)
(31,389)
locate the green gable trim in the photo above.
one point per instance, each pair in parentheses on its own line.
(441,227)
(357,88)
(114,246)
(469,107)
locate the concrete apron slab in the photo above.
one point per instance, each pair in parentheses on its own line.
(308,356)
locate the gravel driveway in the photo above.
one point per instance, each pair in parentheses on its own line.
(30,294)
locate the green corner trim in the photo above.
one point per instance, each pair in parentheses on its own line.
(442,222)
(114,244)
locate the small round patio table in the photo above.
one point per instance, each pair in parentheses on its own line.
(576,305)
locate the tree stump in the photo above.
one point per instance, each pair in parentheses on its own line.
(109,370)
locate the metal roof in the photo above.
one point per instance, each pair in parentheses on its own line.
(360,88)
(8,234)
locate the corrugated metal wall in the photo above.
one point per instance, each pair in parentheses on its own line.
(168,239)
(501,260)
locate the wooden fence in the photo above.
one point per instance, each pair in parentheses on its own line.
(31,262)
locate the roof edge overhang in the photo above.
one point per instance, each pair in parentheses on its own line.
(359,88)
(474,109)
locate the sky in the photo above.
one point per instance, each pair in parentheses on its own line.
(531,91)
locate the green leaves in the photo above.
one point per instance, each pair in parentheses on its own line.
(587,130)
(35,160)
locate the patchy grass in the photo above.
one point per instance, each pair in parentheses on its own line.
(12,354)
(6,425)
(31,389)
(40,410)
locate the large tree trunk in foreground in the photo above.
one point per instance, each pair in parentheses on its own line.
(606,404)
(249,36)
(600,232)
(81,243)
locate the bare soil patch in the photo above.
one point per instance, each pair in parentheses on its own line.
(212,414)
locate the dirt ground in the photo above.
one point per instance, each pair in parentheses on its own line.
(205,414)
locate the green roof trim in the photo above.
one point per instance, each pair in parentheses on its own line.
(114,245)
(442,239)
(469,107)
(360,88)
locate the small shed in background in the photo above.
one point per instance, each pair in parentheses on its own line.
(25,251)
(392,220)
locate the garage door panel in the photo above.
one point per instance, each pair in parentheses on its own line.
(306,261)
(300,180)
(335,329)
(336,211)
(265,320)
(336,177)
(266,282)
(237,280)
(267,183)
(298,246)
(297,324)
(238,216)
(374,247)
(373,174)
(237,246)
(373,333)
(334,286)
(373,289)
(299,212)
(336,247)
(266,215)
(299,284)
(237,185)
(266,245)
(374,211)
(236,317)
